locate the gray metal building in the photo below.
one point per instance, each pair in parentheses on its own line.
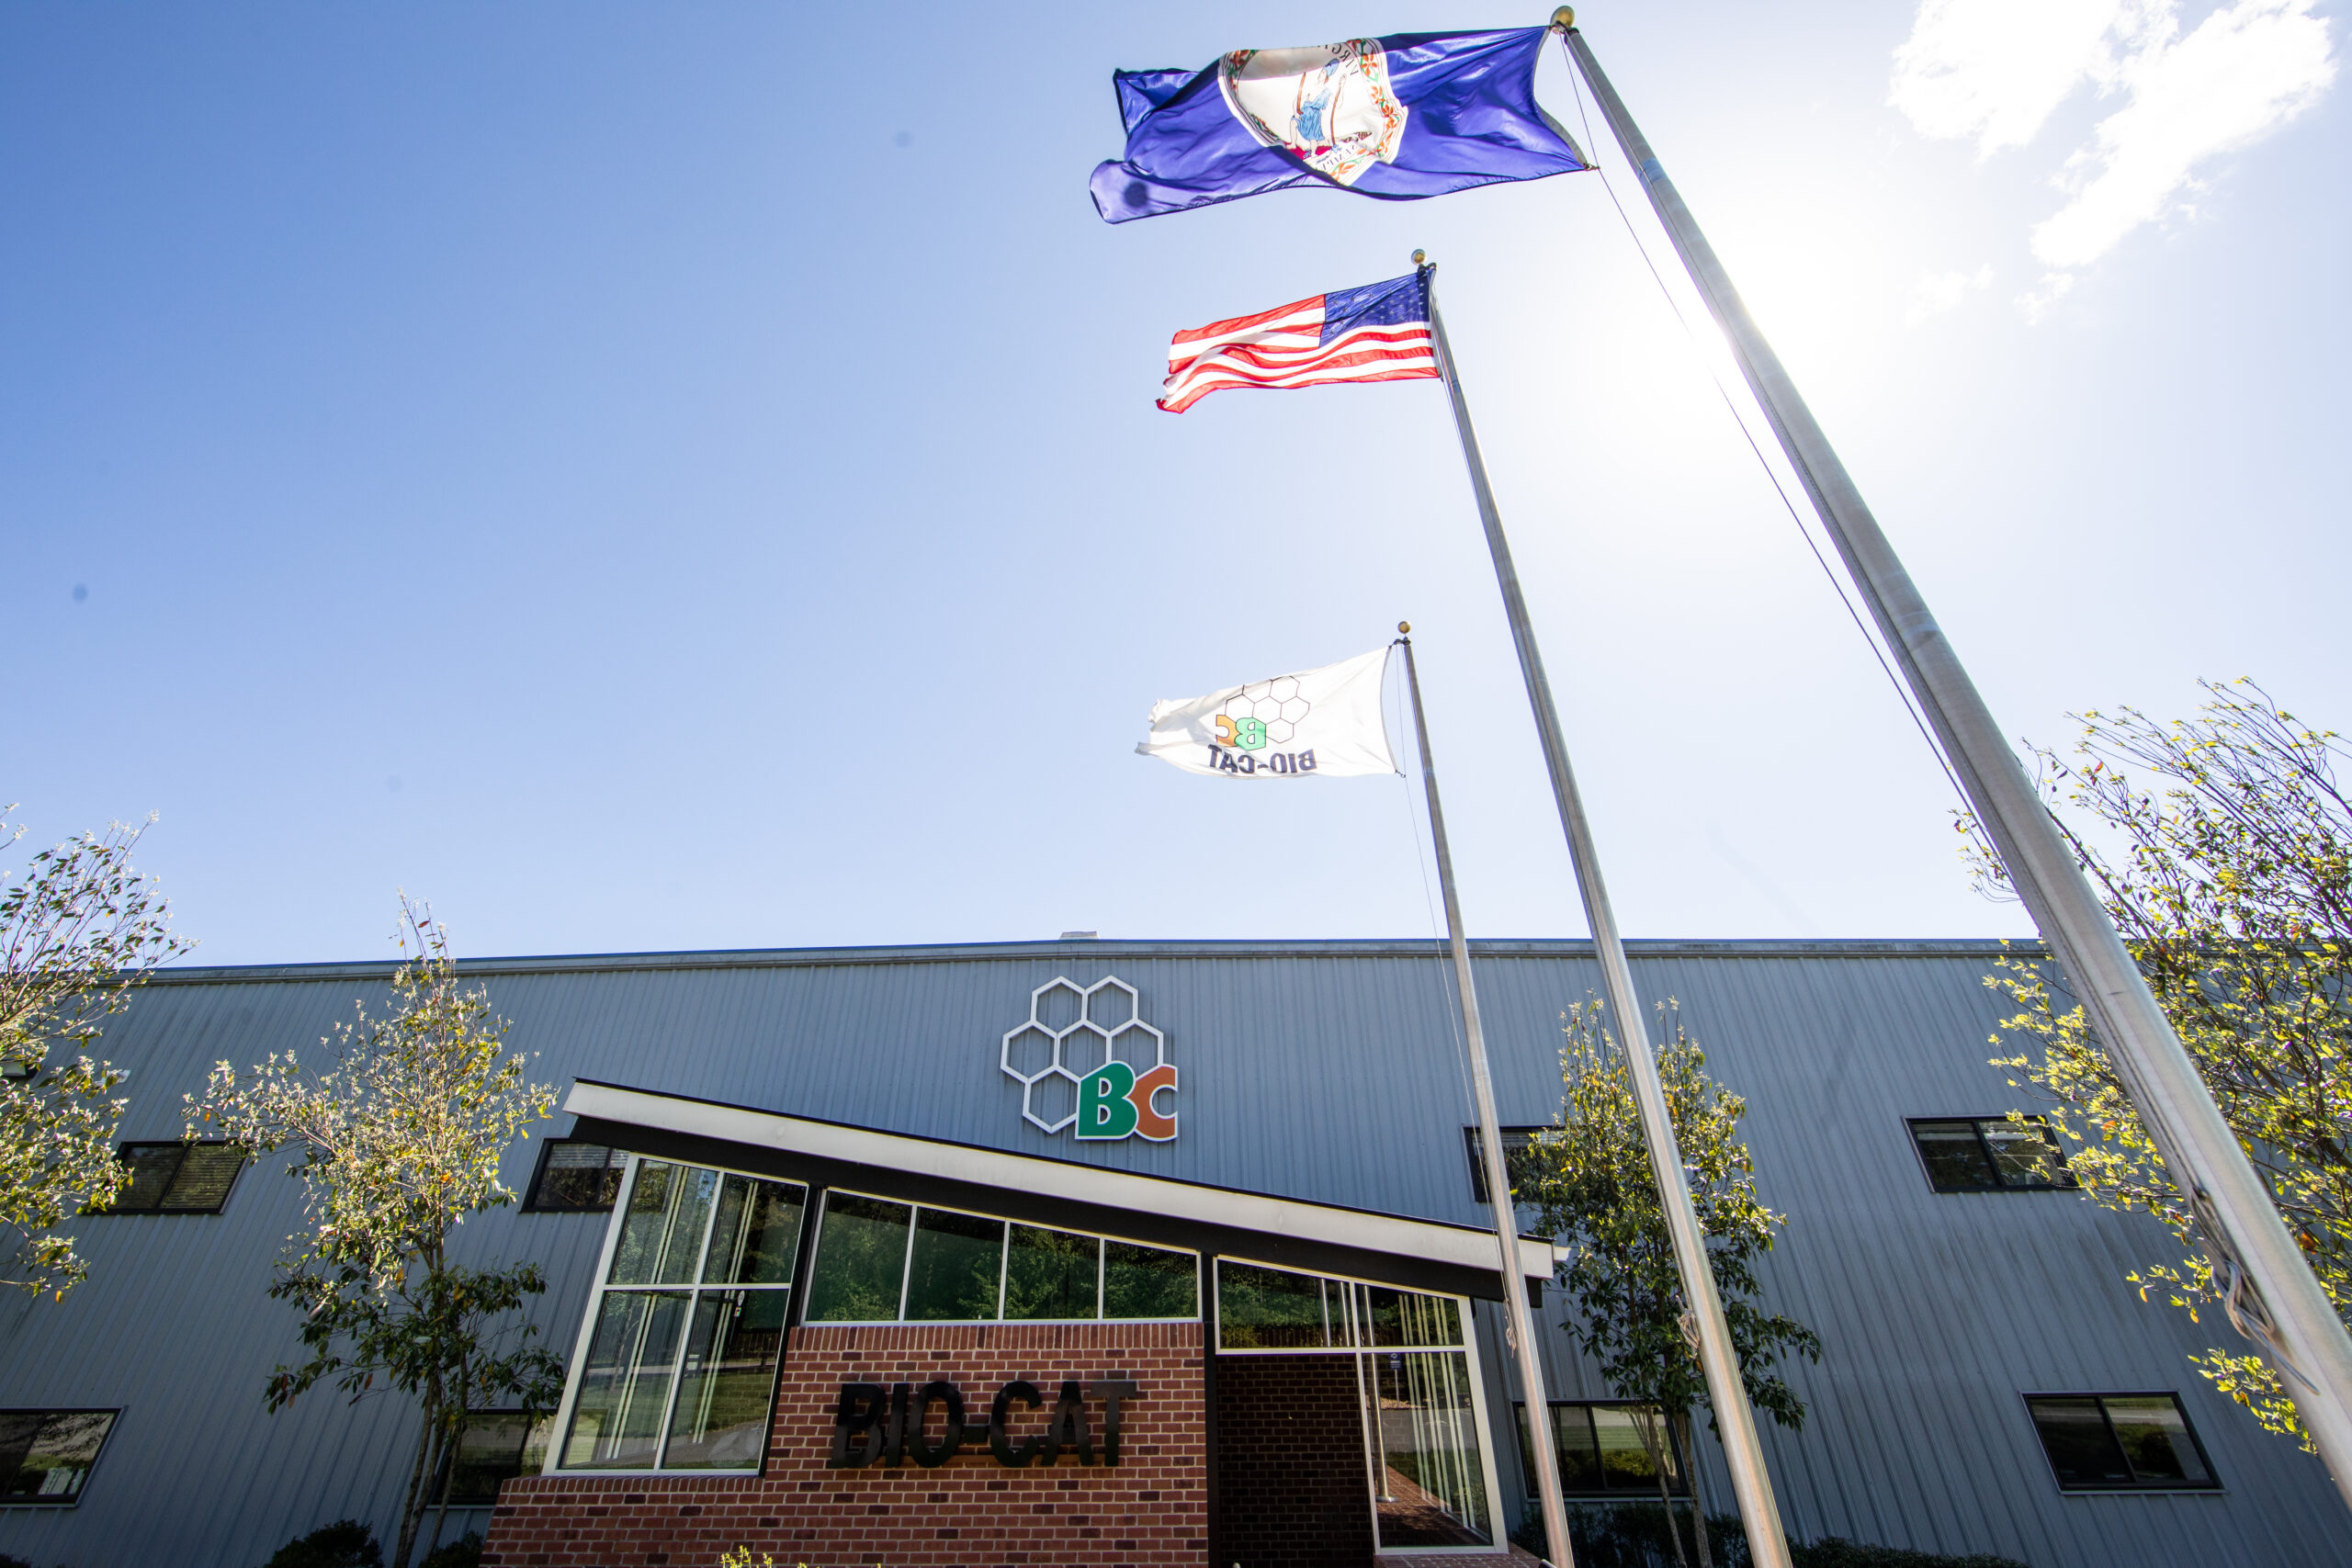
(1327,1072)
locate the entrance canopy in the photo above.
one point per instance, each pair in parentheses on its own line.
(1325,1238)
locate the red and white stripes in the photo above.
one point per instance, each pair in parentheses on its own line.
(1283,347)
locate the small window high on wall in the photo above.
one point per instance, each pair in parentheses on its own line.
(1417,1379)
(2119,1442)
(676,1366)
(178,1178)
(1607,1448)
(575,1178)
(47,1455)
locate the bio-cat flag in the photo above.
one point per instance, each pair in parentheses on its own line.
(1322,723)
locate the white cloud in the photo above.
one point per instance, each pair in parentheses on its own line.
(1941,291)
(2244,72)
(1996,70)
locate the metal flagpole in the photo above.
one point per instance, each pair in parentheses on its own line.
(1718,1356)
(1546,1459)
(2274,1297)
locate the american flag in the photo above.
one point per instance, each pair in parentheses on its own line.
(1378,333)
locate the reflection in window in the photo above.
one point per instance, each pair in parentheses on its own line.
(1051,1274)
(1606,1449)
(178,1178)
(45,1455)
(880,1261)
(1434,1482)
(1990,1154)
(680,1371)
(1517,1141)
(954,1267)
(1271,1309)
(1149,1282)
(2119,1442)
(1262,1309)
(496,1446)
(1420,1400)
(576,1178)
(861,1265)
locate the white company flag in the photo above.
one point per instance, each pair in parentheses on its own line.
(1318,723)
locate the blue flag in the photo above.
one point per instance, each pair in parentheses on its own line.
(1401,118)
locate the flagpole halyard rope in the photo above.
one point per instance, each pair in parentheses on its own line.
(1429,907)
(1731,407)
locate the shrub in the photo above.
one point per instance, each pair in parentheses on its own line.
(346,1543)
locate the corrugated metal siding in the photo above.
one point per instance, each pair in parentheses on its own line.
(1328,1071)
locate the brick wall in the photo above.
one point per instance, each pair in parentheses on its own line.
(1152,1508)
(1292,1488)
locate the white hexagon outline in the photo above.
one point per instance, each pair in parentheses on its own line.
(1029,1081)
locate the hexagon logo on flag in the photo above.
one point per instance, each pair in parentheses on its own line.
(1326,721)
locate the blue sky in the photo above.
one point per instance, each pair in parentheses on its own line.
(687,476)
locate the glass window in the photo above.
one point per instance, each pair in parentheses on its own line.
(1605,1448)
(576,1178)
(1990,1154)
(954,1267)
(45,1455)
(1421,1396)
(861,1265)
(496,1446)
(1433,1476)
(1270,1309)
(1408,1317)
(178,1178)
(1149,1282)
(2119,1442)
(680,1369)
(879,1261)
(721,1421)
(1516,1141)
(1055,1274)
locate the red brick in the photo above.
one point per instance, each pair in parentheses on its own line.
(1151,1509)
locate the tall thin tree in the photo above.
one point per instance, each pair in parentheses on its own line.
(395,1145)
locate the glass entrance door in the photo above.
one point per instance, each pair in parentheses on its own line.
(1428,1476)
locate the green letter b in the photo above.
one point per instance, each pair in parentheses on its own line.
(1103,1108)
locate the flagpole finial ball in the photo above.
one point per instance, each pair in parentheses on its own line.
(1403,627)
(1564,18)
(1420,258)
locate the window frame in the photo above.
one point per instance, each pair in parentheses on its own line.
(1677,1488)
(1477,1158)
(531,1205)
(1359,1350)
(541,1420)
(122,1153)
(560,1435)
(113,1411)
(2214,1487)
(823,1203)
(1976,1124)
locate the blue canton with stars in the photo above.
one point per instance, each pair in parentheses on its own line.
(1400,301)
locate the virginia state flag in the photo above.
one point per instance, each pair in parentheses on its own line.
(1400,117)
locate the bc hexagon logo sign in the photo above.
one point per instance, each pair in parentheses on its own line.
(1086,1058)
